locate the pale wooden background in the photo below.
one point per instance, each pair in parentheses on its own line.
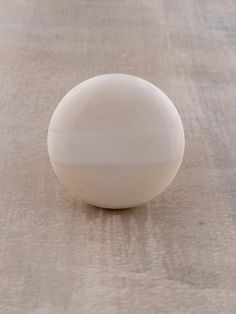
(176,254)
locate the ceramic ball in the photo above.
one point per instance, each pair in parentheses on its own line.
(115,141)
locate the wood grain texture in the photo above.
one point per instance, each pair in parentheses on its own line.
(176,254)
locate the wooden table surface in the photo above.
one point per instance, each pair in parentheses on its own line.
(175,254)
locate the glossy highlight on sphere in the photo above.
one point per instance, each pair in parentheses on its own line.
(115,141)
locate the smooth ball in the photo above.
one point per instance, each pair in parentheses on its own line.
(115,141)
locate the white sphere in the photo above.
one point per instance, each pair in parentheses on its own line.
(115,141)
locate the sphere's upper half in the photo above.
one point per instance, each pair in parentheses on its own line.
(115,141)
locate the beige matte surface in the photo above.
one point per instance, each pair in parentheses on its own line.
(176,254)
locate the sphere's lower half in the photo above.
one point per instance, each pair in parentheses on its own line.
(115,141)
